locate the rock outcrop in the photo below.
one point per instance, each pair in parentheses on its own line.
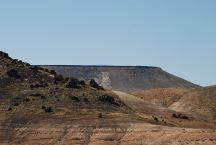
(94,84)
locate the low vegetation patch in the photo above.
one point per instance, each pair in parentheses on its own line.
(180,116)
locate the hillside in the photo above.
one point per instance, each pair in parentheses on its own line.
(39,106)
(124,78)
(30,94)
(200,102)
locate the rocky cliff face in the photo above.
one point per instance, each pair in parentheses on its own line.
(124,78)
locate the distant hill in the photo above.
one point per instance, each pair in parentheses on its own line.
(123,78)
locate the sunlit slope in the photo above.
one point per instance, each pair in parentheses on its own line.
(201,102)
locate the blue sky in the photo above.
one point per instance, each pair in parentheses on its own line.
(176,35)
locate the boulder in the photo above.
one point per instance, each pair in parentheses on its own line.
(94,84)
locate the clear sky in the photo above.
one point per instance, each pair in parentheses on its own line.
(176,35)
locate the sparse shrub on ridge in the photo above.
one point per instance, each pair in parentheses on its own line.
(180,116)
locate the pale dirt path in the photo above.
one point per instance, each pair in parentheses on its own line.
(139,105)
